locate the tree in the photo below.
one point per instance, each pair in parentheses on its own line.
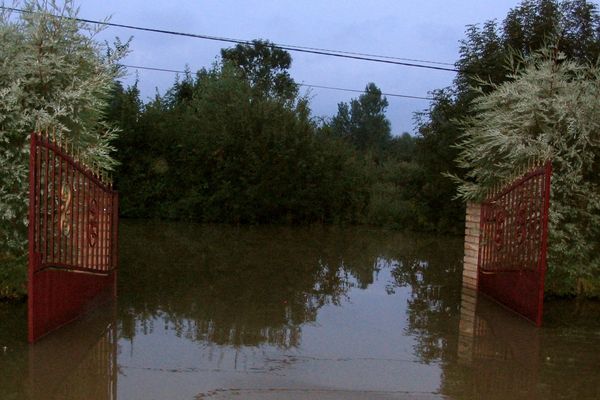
(222,152)
(437,205)
(402,147)
(363,122)
(54,76)
(265,67)
(547,111)
(572,26)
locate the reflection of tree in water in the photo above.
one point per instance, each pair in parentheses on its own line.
(431,269)
(251,286)
(228,286)
(13,343)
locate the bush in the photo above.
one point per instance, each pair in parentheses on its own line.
(219,151)
(54,76)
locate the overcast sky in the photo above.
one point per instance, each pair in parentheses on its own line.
(425,29)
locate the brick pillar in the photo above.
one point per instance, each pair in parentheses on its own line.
(469,289)
(466,326)
(471,245)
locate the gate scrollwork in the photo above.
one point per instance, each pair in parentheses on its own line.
(513,242)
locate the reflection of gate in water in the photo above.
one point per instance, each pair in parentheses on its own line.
(73,218)
(501,350)
(79,361)
(513,243)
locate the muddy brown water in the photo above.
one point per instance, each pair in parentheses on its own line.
(213,312)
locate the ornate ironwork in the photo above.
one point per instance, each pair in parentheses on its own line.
(92,223)
(73,219)
(512,251)
(66,199)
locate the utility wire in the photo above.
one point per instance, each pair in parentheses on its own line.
(175,71)
(405,96)
(300,49)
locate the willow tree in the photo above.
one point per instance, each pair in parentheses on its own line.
(548,110)
(54,75)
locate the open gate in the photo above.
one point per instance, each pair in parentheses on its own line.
(513,243)
(73,219)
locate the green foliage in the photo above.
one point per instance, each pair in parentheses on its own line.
(393,197)
(54,76)
(216,148)
(13,277)
(397,179)
(548,110)
(363,122)
(240,116)
(265,67)
(435,154)
(572,25)
(408,190)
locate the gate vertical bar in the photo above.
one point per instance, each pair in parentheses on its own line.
(59,214)
(32,261)
(46,200)
(86,245)
(72,221)
(115,237)
(543,265)
(52,201)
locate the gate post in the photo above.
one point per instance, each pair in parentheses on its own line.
(472,233)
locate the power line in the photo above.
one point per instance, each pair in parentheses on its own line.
(406,96)
(175,71)
(300,49)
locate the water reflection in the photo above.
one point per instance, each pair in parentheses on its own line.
(13,350)
(501,355)
(248,286)
(78,361)
(500,348)
(276,306)
(433,306)
(213,312)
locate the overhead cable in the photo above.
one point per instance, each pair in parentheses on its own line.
(300,49)
(406,96)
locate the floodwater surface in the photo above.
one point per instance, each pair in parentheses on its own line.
(213,312)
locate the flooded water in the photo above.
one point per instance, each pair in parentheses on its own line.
(213,312)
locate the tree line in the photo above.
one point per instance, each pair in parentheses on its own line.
(237,142)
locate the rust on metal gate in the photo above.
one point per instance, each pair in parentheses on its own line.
(73,220)
(513,243)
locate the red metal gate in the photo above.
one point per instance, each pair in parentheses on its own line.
(513,243)
(73,219)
